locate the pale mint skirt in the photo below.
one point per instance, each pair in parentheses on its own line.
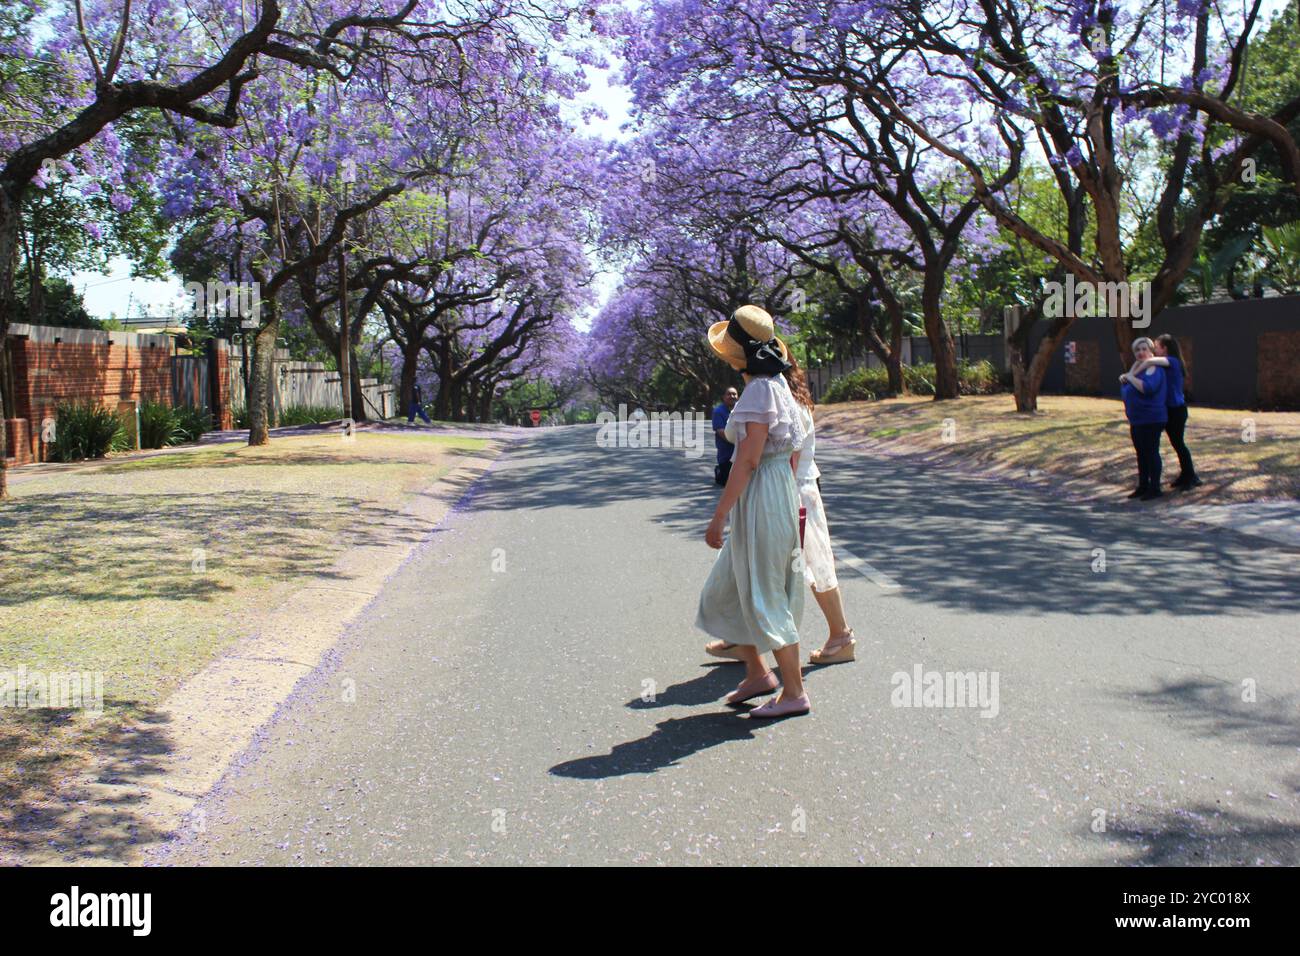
(754,594)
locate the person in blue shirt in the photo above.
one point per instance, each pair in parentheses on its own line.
(725,448)
(1169,356)
(1145,395)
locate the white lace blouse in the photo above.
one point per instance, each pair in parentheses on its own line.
(768,401)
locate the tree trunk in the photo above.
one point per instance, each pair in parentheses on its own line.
(1027,381)
(8,256)
(406,382)
(945,356)
(360,411)
(457,391)
(891,355)
(485,407)
(260,388)
(4,414)
(442,404)
(894,367)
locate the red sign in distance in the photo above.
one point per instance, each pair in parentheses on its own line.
(536,416)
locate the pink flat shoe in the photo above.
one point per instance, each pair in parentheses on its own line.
(793,707)
(756,687)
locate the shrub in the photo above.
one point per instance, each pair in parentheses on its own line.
(158,425)
(979,378)
(860,385)
(86,430)
(868,384)
(239,413)
(191,423)
(309,414)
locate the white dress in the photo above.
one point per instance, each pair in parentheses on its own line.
(819,559)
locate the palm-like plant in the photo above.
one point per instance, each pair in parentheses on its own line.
(1280,247)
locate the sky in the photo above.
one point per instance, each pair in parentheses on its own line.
(116,293)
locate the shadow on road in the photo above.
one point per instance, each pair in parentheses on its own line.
(708,688)
(955,541)
(1201,835)
(1210,834)
(670,742)
(1216,709)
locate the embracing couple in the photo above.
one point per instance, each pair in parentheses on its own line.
(1155,404)
(779,542)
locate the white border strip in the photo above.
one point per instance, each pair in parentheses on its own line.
(866,569)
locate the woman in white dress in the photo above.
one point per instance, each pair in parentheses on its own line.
(753,597)
(819,560)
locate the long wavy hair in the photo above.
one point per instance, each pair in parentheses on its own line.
(798,383)
(1171,347)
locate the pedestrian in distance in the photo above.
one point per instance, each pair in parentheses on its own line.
(1169,356)
(417,407)
(1144,393)
(724,448)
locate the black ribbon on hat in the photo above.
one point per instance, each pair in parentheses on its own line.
(761,358)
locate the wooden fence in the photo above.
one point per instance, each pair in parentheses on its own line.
(296,384)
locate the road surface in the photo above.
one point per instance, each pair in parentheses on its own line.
(529,688)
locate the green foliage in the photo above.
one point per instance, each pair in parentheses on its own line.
(86,430)
(239,413)
(56,303)
(1209,272)
(159,426)
(868,384)
(191,423)
(1280,247)
(980,378)
(309,414)
(860,385)
(1271,78)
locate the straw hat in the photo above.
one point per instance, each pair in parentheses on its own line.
(751,321)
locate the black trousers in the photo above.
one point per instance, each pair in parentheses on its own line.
(1175,428)
(722,472)
(1146,442)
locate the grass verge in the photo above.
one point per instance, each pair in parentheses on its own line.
(1077,439)
(143,570)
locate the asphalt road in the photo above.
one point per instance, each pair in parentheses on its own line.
(529,688)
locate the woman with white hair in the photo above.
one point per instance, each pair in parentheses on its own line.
(1144,395)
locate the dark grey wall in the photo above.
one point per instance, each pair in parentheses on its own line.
(1223,337)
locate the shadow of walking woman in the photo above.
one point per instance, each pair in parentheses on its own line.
(672,741)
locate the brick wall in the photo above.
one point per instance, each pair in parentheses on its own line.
(222,416)
(52,366)
(18,448)
(1279,370)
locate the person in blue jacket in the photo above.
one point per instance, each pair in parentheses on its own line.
(417,407)
(1145,403)
(1170,357)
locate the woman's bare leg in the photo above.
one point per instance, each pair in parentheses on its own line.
(787,658)
(755,666)
(833,610)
